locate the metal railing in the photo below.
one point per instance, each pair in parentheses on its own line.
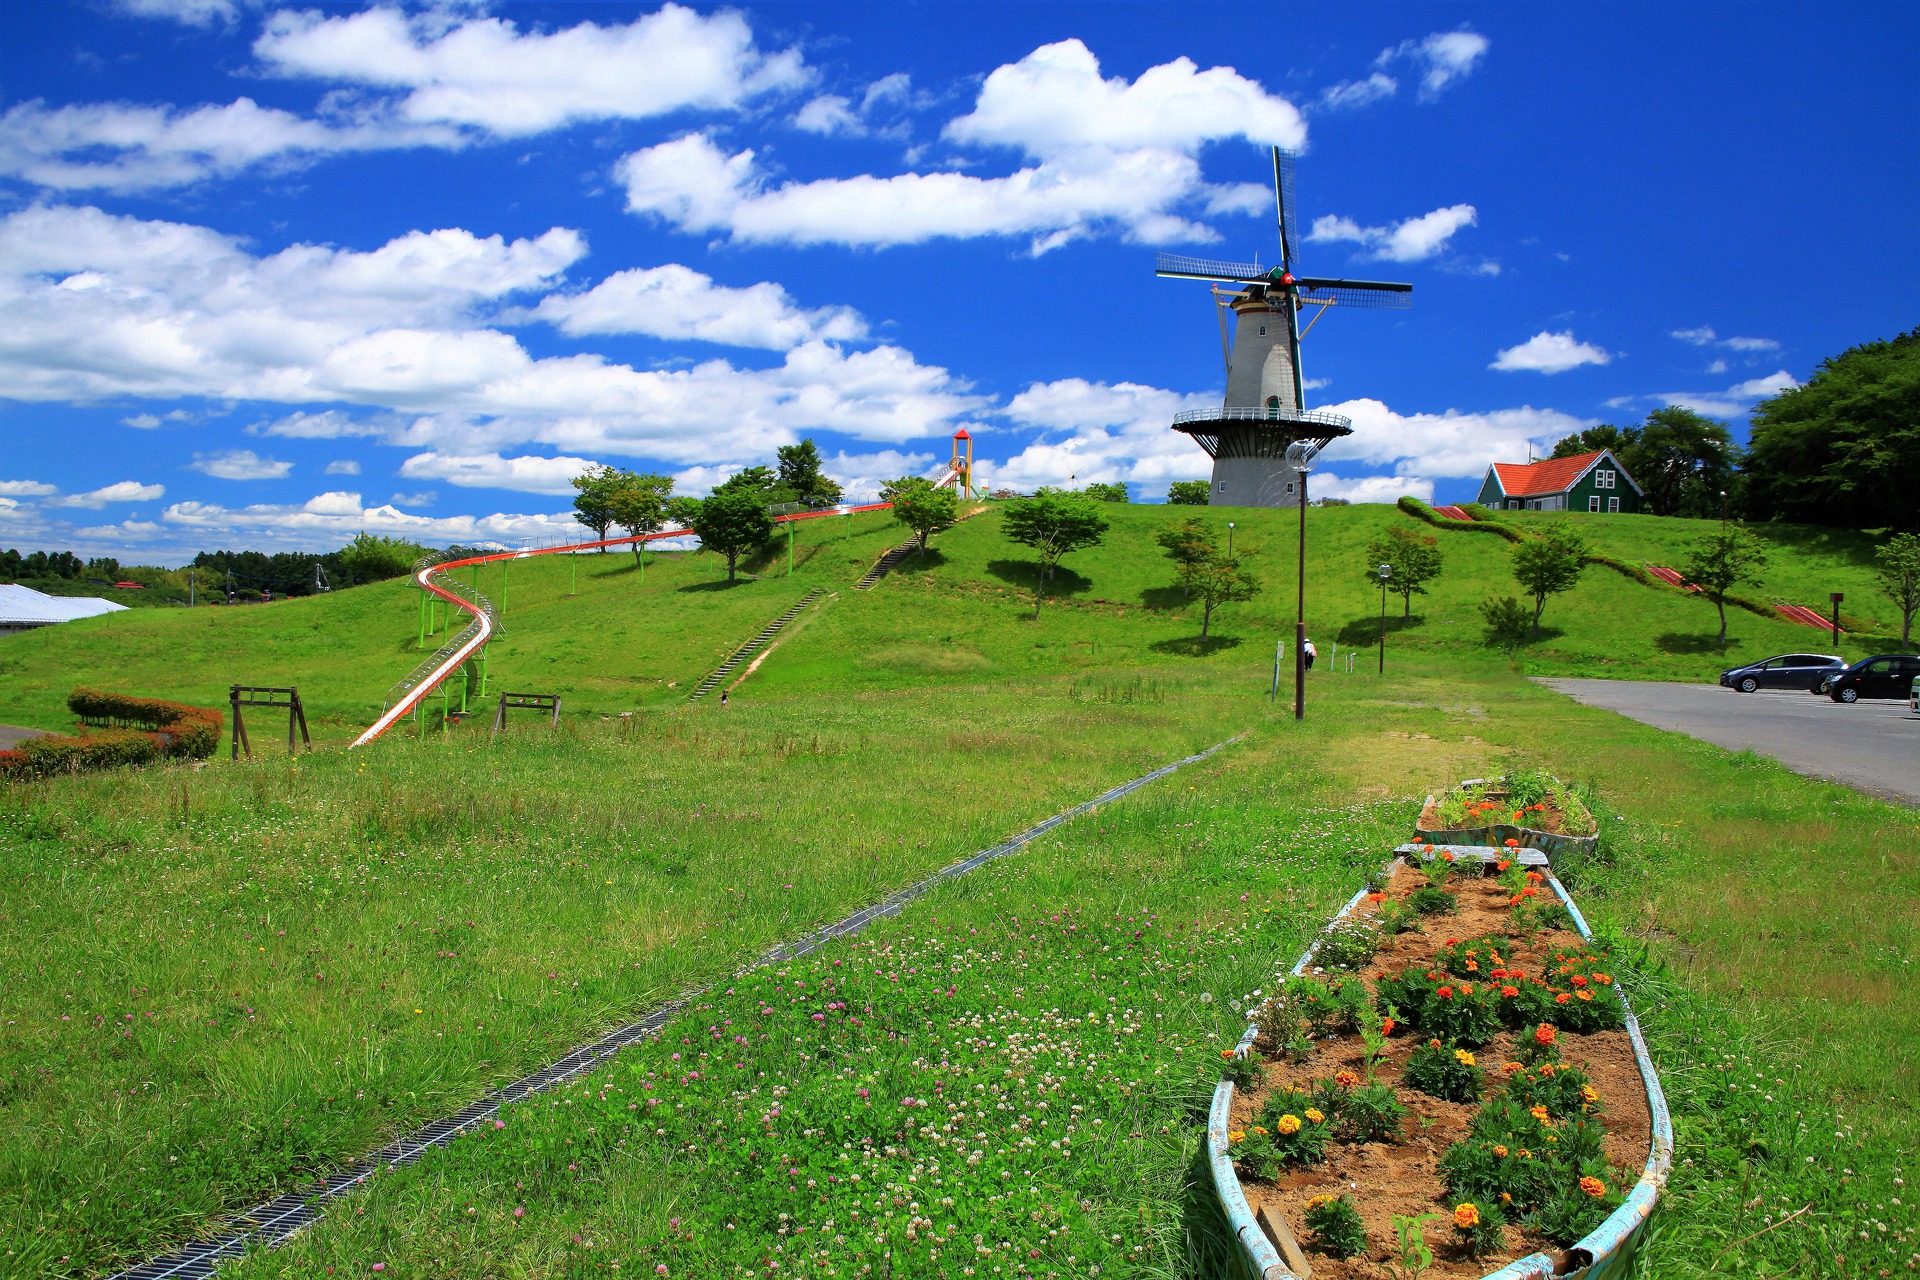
(1263,413)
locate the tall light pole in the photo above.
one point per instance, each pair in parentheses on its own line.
(1300,455)
(1229,538)
(1383,573)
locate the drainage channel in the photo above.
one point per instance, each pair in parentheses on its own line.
(278,1219)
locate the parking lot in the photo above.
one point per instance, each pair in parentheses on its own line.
(1871,745)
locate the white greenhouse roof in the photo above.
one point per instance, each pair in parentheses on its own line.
(23,606)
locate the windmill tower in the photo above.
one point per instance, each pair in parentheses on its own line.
(1265,408)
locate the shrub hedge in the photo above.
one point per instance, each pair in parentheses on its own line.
(127,731)
(1421,511)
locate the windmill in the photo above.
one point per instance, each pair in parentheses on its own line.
(1265,411)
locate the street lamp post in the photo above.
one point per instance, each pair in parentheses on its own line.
(1300,456)
(1229,538)
(1384,572)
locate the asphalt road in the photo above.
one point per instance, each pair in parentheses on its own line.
(1873,746)
(11,737)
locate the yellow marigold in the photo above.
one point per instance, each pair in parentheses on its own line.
(1259,1130)
(1289,1124)
(1514,1068)
(1546,1070)
(1506,1197)
(1315,1115)
(1466,1216)
(1590,1093)
(1464,1058)
(1238,1135)
(1525,1154)
(1319,1201)
(1500,1151)
(1538,1113)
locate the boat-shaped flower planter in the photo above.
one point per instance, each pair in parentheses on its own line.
(1606,1252)
(1432,828)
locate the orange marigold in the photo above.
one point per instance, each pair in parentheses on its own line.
(1347,1079)
(1509,991)
(1583,995)
(1543,1034)
(1593,1187)
(1466,1216)
(1500,1151)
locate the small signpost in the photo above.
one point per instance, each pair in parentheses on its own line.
(250,695)
(548,702)
(1837,597)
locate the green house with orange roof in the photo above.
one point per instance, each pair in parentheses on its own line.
(1593,482)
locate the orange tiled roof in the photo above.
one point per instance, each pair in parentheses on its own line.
(1532,479)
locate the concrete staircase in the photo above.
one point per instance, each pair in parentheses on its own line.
(886,564)
(746,651)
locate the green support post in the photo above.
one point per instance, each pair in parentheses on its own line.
(503,586)
(483,672)
(789,548)
(420,642)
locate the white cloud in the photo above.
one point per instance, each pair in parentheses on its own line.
(1413,240)
(240,464)
(1325,484)
(1441,58)
(1718,366)
(1698,337)
(827,115)
(27,489)
(329,424)
(1771,385)
(343,467)
(328,519)
(122,491)
(1111,156)
(1448,444)
(486,73)
(677,302)
(193,13)
(1751,344)
(425,498)
(491,471)
(1054,103)
(124,147)
(1359,93)
(1706,337)
(1549,353)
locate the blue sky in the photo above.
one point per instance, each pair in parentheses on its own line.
(272,275)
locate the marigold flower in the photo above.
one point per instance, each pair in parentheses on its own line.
(1534,877)
(1593,1187)
(1473,966)
(1347,1079)
(1226,1053)
(1503,864)
(1448,855)
(1433,1044)
(1590,1093)
(1466,988)
(1584,995)
(1315,1115)
(1603,979)
(1543,1034)
(1445,993)
(1512,844)
(1525,1154)
(1259,1130)
(1238,1135)
(1466,1216)
(1321,1200)
(1538,1113)
(1500,1151)
(1514,1068)
(1563,997)
(1387,1025)
(1519,815)
(1376,897)
(1506,1197)
(1289,1124)
(1462,1057)
(1578,981)
(1509,992)
(1546,1070)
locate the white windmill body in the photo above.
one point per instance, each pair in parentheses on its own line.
(1263,411)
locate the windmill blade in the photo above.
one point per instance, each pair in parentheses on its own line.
(1181,267)
(1284,202)
(1379,295)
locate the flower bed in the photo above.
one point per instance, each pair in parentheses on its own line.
(1530,806)
(1458,1073)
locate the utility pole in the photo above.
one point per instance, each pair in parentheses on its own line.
(1837,597)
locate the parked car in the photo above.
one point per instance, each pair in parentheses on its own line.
(1885,675)
(1913,696)
(1788,671)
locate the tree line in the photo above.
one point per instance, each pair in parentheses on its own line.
(368,558)
(1841,450)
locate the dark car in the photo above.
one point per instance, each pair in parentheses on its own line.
(1885,675)
(1788,671)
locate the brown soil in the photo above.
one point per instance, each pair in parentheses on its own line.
(1550,820)
(1383,1180)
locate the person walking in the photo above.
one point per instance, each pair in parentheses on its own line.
(1311,652)
(723,699)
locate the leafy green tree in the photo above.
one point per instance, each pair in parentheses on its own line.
(639,505)
(1844,449)
(1054,524)
(593,500)
(1189,546)
(1189,493)
(1721,560)
(1898,574)
(1548,565)
(754,480)
(799,471)
(1683,462)
(923,507)
(373,558)
(1106,492)
(1416,561)
(731,523)
(1509,622)
(1220,580)
(1595,438)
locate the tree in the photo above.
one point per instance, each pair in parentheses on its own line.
(1899,576)
(1054,524)
(1106,492)
(1189,547)
(1189,493)
(1844,448)
(800,471)
(922,507)
(1508,622)
(1720,560)
(754,480)
(1593,439)
(731,523)
(1548,565)
(639,505)
(1220,580)
(593,503)
(1683,462)
(372,558)
(1416,561)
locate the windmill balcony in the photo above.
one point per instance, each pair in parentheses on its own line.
(1266,413)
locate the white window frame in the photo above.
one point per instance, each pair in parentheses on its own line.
(1513,504)
(1219,486)
(1603,479)
(1613,506)
(1593,503)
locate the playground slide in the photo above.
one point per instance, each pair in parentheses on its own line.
(481,629)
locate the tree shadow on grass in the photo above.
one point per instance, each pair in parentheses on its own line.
(1195,647)
(1021,573)
(1677,642)
(1363,631)
(718,584)
(1165,598)
(917,563)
